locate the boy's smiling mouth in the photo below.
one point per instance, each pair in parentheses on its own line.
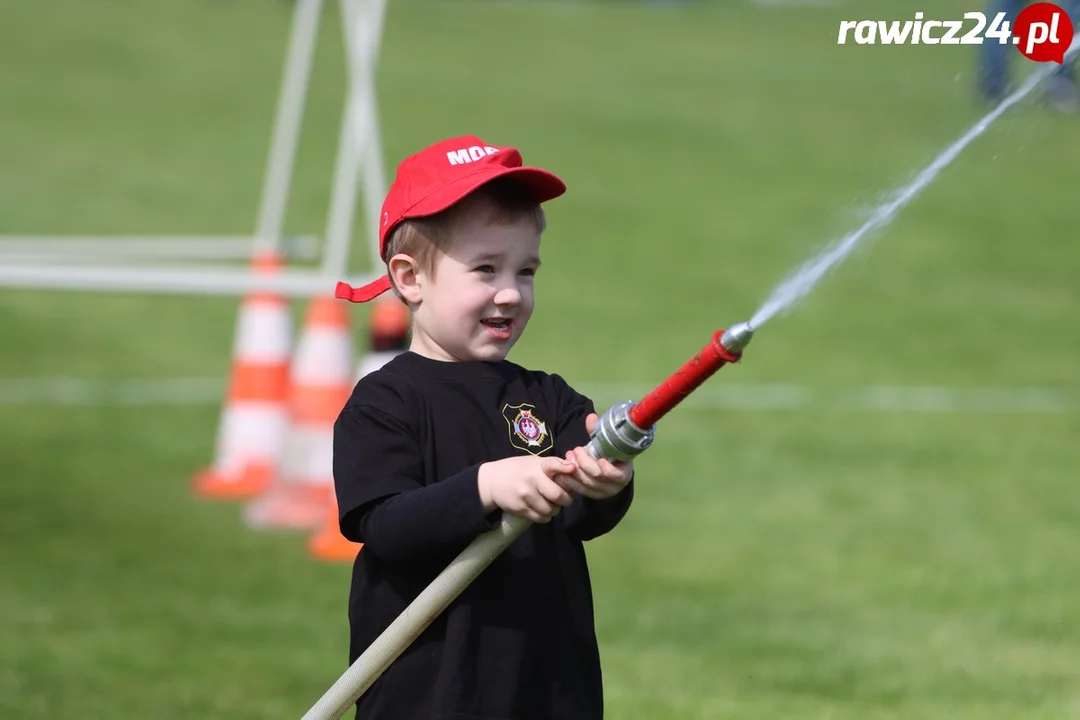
(500,328)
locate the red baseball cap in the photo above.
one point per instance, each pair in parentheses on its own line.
(437,177)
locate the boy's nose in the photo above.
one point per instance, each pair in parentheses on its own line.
(508,296)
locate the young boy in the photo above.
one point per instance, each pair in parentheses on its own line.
(433,447)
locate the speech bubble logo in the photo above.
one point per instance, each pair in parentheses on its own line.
(1043,32)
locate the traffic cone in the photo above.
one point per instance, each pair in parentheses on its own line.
(388,334)
(254,418)
(321,382)
(388,337)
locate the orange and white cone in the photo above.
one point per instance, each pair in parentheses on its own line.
(254,419)
(388,334)
(321,384)
(388,338)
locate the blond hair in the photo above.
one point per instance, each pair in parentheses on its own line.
(503,200)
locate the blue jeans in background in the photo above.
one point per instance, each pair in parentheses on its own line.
(994,57)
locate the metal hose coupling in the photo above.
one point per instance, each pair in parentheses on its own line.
(616,437)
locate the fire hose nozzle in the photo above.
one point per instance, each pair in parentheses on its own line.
(737,337)
(617,437)
(619,433)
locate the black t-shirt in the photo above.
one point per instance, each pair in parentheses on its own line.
(519,642)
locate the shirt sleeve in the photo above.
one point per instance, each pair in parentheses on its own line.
(586,519)
(382,497)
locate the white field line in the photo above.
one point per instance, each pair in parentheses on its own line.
(89,392)
(64,391)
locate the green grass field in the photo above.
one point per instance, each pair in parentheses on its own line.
(821,563)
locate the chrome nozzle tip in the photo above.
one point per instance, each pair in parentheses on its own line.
(737,337)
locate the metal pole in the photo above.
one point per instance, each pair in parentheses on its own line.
(187,280)
(374,173)
(358,141)
(273,206)
(116,247)
(347,168)
(374,183)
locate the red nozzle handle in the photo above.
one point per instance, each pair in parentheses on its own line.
(682,382)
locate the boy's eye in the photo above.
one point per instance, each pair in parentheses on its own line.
(529,271)
(485,269)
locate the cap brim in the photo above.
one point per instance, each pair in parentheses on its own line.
(543,184)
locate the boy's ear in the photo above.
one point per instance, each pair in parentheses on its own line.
(405,273)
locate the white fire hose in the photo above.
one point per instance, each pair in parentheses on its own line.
(623,432)
(408,626)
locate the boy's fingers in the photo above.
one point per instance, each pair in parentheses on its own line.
(589,487)
(535,517)
(609,470)
(588,464)
(595,489)
(540,508)
(555,466)
(553,492)
(590,422)
(571,484)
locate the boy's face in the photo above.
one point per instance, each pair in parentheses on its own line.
(480,297)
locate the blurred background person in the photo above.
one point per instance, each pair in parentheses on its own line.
(993,70)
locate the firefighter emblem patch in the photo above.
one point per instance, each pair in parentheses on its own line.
(527,431)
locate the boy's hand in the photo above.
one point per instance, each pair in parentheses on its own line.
(594,478)
(525,486)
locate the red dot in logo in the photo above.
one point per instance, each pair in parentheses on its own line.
(1044,31)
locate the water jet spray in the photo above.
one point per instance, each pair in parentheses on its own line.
(627,429)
